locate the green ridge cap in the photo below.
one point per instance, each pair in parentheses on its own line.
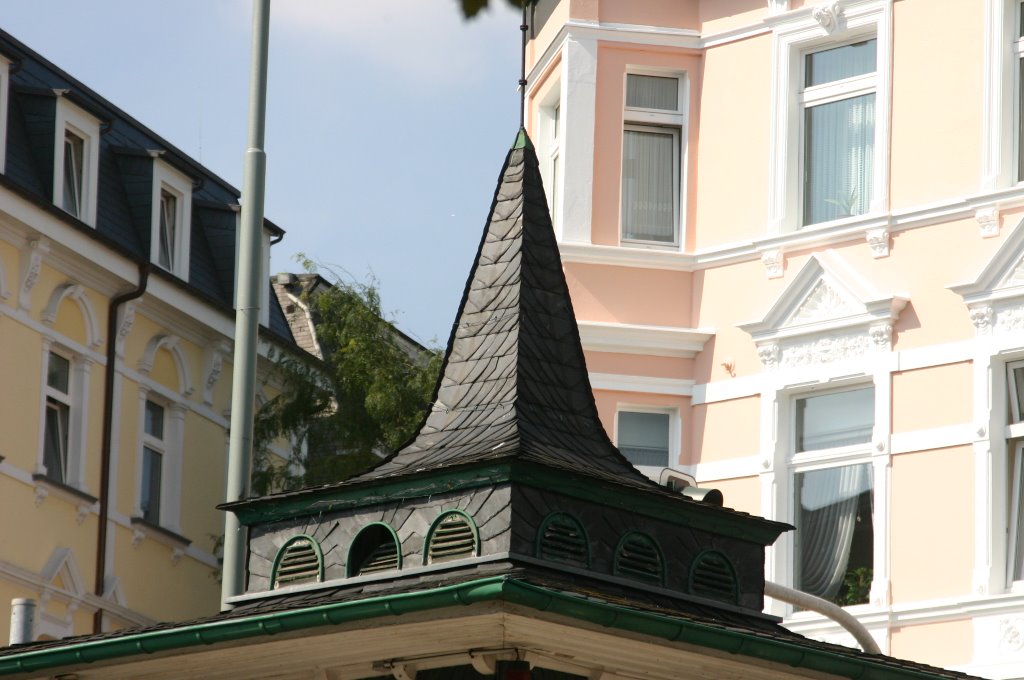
(523,140)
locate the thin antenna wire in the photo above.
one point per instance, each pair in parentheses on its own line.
(522,71)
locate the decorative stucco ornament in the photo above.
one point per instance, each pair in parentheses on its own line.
(827,15)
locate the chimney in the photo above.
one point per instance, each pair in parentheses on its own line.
(23,616)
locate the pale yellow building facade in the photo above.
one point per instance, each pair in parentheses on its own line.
(89,200)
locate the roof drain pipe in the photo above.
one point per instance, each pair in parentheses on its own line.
(826,608)
(108,429)
(247,312)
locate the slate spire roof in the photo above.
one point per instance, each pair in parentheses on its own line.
(514,383)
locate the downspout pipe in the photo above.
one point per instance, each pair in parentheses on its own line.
(108,434)
(826,608)
(247,313)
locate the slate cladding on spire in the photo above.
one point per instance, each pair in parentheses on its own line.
(514,382)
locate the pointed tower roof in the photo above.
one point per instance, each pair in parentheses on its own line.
(514,382)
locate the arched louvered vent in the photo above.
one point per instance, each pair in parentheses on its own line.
(712,575)
(638,557)
(453,536)
(375,549)
(298,561)
(561,538)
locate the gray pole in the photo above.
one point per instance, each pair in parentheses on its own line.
(247,315)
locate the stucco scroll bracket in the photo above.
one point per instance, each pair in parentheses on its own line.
(878,240)
(214,368)
(137,537)
(828,15)
(31,268)
(881,335)
(769,355)
(982,317)
(124,326)
(988,221)
(773,263)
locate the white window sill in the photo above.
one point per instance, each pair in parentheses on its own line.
(142,529)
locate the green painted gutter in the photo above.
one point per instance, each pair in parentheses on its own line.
(850,664)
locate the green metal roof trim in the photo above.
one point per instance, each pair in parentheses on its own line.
(810,655)
(663,505)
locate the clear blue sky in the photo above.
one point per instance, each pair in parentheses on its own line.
(387,120)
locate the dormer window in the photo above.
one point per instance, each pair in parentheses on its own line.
(5,75)
(171,217)
(76,161)
(74,151)
(168,229)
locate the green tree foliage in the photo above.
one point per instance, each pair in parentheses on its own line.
(365,399)
(470,8)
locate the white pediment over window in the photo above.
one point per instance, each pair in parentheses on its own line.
(995,299)
(828,313)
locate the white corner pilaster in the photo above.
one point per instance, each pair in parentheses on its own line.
(579,100)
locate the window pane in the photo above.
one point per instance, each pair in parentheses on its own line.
(834,533)
(1017,396)
(168,226)
(643,437)
(57,372)
(152,468)
(838,419)
(74,147)
(55,440)
(839,157)
(648,191)
(840,62)
(154,420)
(652,92)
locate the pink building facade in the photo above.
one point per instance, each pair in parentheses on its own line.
(794,237)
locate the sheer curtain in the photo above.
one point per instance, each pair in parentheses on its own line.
(648,197)
(838,135)
(839,156)
(827,503)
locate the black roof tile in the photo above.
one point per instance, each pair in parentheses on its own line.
(514,381)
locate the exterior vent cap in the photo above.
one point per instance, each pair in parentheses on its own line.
(712,576)
(375,549)
(298,561)
(638,557)
(452,536)
(561,538)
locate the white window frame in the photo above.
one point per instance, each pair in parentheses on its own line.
(75,398)
(1014,469)
(1001,100)
(5,86)
(70,118)
(178,185)
(171,447)
(779,478)
(158,445)
(552,164)
(675,435)
(795,35)
(659,120)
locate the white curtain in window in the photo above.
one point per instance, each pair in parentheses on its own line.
(839,158)
(652,92)
(648,196)
(1016,523)
(826,517)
